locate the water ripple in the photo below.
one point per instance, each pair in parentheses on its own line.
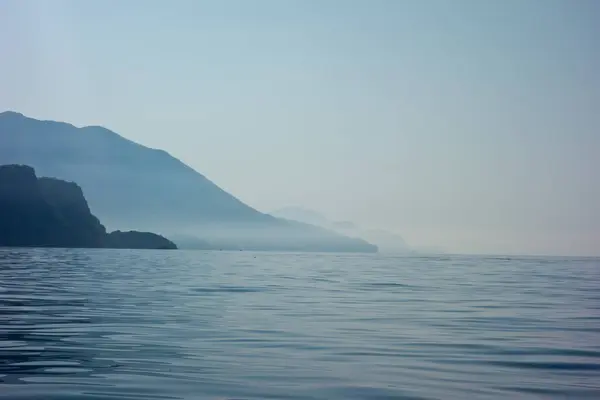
(119,324)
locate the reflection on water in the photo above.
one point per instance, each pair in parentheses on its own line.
(110,324)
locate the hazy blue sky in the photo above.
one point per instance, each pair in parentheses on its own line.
(474,125)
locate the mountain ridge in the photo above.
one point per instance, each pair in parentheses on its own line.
(131,186)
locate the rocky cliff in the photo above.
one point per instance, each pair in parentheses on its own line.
(49,212)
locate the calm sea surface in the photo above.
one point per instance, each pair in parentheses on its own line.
(109,324)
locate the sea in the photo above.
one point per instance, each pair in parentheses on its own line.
(127,324)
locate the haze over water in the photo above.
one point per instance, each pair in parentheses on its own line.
(107,324)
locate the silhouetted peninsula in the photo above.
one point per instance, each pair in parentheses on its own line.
(138,240)
(49,212)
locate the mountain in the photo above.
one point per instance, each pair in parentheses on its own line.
(387,242)
(49,212)
(130,186)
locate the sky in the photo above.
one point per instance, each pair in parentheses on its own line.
(466,124)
